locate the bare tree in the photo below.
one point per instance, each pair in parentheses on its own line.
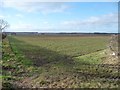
(3,25)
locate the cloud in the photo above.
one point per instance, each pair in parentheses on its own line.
(26,26)
(19,15)
(101,23)
(104,23)
(45,22)
(1,17)
(22,26)
(102,20)
(64,0)
(43,7)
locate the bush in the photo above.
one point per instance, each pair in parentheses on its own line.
(4,35)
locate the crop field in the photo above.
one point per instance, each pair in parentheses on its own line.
(72,46)
(49,61)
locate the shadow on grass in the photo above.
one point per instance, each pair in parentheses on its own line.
(40,56)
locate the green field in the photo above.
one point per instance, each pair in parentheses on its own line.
(60,61)
(72,46)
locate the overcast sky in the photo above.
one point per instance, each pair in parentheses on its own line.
(60,16)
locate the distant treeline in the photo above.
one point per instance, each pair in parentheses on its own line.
(75,33)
